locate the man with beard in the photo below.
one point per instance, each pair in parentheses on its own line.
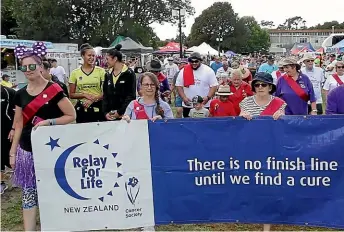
(196,79)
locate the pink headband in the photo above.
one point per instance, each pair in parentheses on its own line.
(38,49)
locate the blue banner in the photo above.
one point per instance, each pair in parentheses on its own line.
(288,171)
(12,43)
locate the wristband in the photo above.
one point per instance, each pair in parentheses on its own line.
(315,111)
(52,122)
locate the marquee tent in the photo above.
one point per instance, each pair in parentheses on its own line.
(170,47)
(206,49)
(130,46)
(301,46)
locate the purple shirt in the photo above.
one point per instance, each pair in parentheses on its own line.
(335,101)
(295,105)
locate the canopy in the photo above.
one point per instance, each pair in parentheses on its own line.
(130,46)
(170,47)
(117,40)
(206,49)
(339,45)
(301,46)
(230,53)
(320,50)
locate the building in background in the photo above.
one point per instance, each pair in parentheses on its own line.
(287,38)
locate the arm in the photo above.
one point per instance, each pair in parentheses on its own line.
(105,102)
(131,93)
(73,94)
(18,126)
(312,96)
(69,114)
(213,84)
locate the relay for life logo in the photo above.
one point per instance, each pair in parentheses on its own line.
(87,170)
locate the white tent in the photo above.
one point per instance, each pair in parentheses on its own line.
(192,49)
(205,49)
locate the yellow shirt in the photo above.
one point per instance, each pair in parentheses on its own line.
(6,84)
(115,78)
(91,83)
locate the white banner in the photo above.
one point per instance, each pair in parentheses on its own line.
(94,176)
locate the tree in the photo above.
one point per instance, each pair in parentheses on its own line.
(328,25)
(95,22)
(217,21)
(293,23)
(255,38)
(8,23)
(268,24)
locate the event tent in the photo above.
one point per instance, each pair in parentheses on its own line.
(206,49)
(339,46)
(170,47)
(301,46)
(130,46)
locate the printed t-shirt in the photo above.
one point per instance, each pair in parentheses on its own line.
(205,78)
(88,83)
(47,111)
(202,113)
(317,77)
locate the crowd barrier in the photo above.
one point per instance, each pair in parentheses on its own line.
(115,175)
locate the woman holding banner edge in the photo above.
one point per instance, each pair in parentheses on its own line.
(40,103)
(296,89)
(262,103)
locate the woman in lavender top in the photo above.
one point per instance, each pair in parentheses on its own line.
(295,89)
(335,101)
(150,105)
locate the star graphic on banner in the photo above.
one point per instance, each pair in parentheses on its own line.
(53,143)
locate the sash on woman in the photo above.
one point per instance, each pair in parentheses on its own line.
(274,106)
(139,111)
(336,77)
(40,100)
(296,88)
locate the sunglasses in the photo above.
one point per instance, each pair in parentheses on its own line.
(25,68)
(260,84)
(194,61)
(340,66)
(309,61)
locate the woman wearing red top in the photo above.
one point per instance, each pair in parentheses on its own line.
(239,88)
(222,107)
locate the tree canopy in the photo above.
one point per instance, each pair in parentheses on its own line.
(95,22)
(238,34)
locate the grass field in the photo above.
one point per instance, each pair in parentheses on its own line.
(11,219)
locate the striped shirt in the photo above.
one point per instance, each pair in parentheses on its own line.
(250,105)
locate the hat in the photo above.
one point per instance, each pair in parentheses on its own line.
(154,66)
(224,90)
(307,56)
(4,76)
(170,59)
(266,78)
(195,55)
(197,99)
(288,61)
(271,57)
(280,64)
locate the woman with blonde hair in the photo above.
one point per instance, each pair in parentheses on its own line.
(239,88)
(149,105)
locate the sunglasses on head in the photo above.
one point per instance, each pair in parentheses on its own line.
(260,84)
(25,68)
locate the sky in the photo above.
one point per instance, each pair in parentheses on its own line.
(313,11)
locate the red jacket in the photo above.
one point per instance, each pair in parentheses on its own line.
(221,109)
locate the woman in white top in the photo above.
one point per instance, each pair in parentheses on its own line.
(336,79)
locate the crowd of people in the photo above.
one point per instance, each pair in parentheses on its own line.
(226,87)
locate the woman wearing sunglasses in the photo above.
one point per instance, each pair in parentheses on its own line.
(262,103)
(85,85)
(40,103)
